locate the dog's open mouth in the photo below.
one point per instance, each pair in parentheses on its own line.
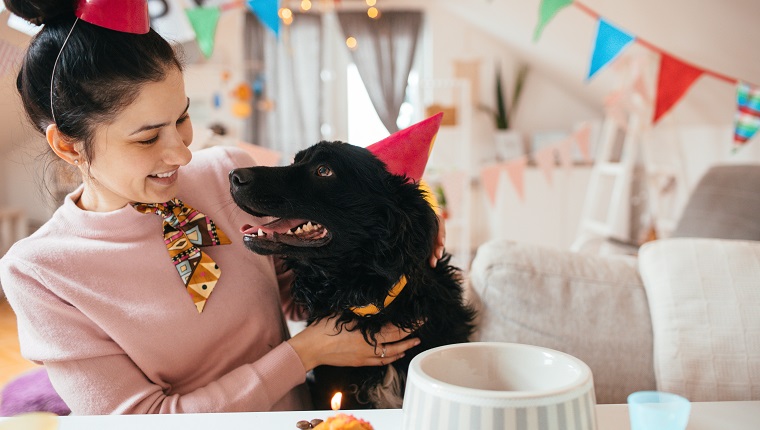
(293,232)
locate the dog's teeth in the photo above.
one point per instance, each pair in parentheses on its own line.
(289,232)
(299,230)
(260,232)
(309,226)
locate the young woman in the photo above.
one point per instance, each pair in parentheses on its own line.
(99,300)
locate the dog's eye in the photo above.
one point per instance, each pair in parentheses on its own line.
(324,171)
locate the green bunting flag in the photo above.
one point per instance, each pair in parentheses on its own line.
(204,20)
(549,8)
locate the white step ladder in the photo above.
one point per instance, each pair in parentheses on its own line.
(606,209)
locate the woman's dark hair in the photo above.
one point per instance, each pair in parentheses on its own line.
(99,71)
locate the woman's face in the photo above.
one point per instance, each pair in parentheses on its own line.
(137,157)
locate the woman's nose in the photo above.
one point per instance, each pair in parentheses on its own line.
(178,152)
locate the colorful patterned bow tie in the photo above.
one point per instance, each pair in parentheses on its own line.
(185,231)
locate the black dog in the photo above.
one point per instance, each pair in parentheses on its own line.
(350,231)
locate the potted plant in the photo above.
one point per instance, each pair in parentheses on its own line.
(509,143)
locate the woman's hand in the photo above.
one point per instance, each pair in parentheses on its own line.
(440,241)
(322,343)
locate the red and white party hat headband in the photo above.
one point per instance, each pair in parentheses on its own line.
(406,152)
(128,16)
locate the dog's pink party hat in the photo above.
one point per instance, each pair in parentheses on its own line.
(128,16)
(406,152)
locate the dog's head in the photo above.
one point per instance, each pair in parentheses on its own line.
(334,201)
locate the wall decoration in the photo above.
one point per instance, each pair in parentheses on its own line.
(204,20)
(267,12)
(675,77)
(546,158)
(610,42)
(747,119)
(547,11)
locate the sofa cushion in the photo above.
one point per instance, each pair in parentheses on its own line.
(735,189)
(593,308)
(704,297)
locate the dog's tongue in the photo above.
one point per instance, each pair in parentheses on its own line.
(279,225)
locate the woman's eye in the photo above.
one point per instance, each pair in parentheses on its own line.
(149,141)
(324,171)
(183,119)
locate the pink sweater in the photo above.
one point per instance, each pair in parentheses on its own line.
(100,304)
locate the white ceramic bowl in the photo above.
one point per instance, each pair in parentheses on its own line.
(493,385)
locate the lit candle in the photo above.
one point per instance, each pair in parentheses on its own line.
(335,402)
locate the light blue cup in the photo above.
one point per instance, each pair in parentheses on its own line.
(656,410)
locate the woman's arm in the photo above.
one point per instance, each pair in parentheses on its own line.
(94,375)
(113,384)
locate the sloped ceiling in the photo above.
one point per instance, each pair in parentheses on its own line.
(713,34)
(720,35)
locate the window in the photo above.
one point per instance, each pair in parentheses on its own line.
(364,125)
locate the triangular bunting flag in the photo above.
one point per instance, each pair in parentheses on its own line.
(516,172)
(610,42)
(565,150)
(204,20)
(267,12)
(545,161)
(583,140)
(262,156)
(548,9)
(490,176)
(674,80)
(747,119)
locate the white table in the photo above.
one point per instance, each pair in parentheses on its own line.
(704,416)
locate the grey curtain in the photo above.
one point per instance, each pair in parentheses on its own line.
(287,85)
(383,56)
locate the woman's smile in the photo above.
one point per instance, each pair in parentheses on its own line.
(166,178)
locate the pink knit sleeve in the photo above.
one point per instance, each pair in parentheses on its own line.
(93,375)
(114,385)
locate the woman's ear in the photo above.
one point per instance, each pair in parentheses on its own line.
(63,146)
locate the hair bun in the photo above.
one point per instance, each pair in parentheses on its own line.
(39,12)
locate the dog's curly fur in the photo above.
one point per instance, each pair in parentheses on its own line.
(376,227)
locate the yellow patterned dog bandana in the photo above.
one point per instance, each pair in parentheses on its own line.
(185,231)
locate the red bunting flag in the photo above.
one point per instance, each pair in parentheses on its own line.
(674,79)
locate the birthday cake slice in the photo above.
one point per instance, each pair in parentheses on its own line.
(343,422)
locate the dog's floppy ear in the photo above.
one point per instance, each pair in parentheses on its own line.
(412,224)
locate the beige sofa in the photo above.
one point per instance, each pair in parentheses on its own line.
(683,316)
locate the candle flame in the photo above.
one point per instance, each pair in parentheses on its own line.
(335,402)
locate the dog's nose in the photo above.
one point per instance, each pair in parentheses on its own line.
(240,177)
